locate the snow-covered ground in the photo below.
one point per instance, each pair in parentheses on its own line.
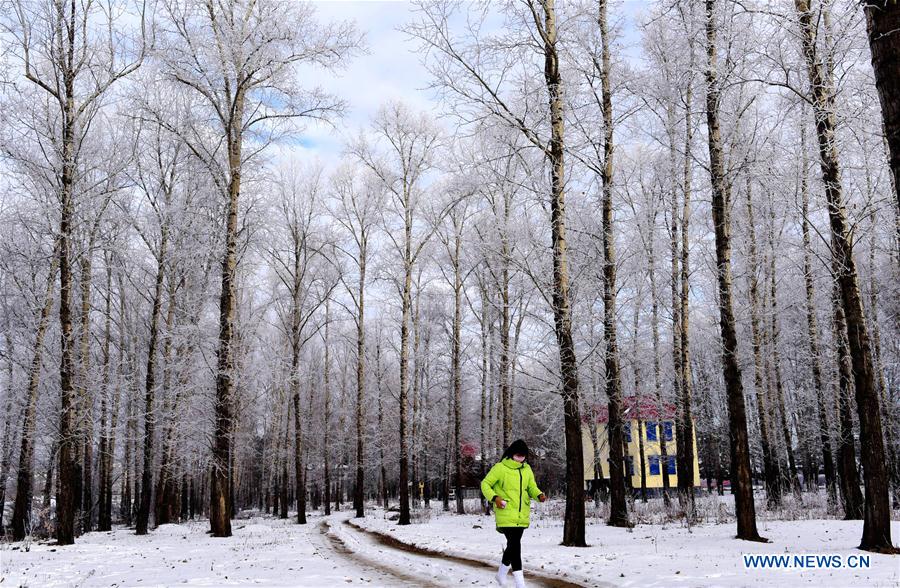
(658,555)
(262,552)
(327,552)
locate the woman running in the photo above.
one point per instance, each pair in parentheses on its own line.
(510,487)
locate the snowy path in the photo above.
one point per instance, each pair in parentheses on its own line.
(431,568)
(326,552)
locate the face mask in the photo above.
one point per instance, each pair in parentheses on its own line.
(519,458)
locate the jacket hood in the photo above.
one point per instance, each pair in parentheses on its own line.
(512,464)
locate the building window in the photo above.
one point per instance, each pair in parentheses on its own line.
(654,465)
(667,430)
(651,431)
(670,465)
(626,431)
(629,464)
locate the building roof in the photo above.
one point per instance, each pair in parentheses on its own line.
(634,408)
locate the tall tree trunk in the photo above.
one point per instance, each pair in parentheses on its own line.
(812,328)
(485,376)
(771,468)
(127,362)
(108,413)
(380,392)
(21,521)
(455,360)
(416,450)
(406,303)
(505,392)
(638,395)
(86,425)
(776,359)
(425,386)
(143,513)
(342,429)
(326,410)
(877,522)
(573,529)
(893,460)
(849,477)
(657,371)
(618,506)
(220,478)
(359,494)
(685,429)
(741,481)
(283,461)
(7,449)
(167,507)
(66,504)
(677,356)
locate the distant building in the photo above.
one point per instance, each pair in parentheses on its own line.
(644,420)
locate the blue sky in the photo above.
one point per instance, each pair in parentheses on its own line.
(391,70)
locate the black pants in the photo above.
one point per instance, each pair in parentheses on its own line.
(512,555)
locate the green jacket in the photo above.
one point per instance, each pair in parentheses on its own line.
(513,482)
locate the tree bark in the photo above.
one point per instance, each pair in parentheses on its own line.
(143,513)
(573,528)
(771,468)
(677,356)
(849,476)
(882,24)
(85,465)
(812,328)
(455,361)
(167,507)
(741,481)
(220,478)
(7,449)
(108,417)
(382,466)
(685,429)
(782,408)
(359,494)
(618,506)
(326,410)
(877,522)
(66,504)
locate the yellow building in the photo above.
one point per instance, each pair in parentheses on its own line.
(643,421)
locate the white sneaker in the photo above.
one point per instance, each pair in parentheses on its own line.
(519,577)
(501,574)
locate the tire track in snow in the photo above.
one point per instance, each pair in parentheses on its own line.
(331,545)
(484,572)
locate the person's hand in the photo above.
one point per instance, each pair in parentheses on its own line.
(542,497)
(499,502)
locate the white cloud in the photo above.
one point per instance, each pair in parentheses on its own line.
(390,70)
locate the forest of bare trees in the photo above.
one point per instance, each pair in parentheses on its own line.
(696,205)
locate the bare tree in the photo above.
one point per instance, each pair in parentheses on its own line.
(69,53)
(403,152)
(474,83)
(239,61)
(877,522)
(356,211)
(741,482)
